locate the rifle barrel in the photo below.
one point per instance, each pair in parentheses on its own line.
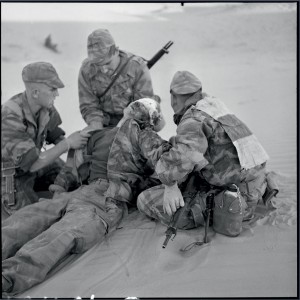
(168,45)
(159,54)
(166,241)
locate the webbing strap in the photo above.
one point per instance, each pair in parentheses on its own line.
(116,76)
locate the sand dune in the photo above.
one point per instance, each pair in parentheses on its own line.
(244,54)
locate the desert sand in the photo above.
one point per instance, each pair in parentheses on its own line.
(245,54)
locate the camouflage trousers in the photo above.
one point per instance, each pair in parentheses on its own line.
(150,202)
(252,188)
(31,186)
(37,237)
(253,184)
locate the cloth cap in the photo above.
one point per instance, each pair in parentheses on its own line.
(145,110)
(185,82)
(99,41)
(42,72)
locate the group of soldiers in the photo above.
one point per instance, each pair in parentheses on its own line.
(52,209)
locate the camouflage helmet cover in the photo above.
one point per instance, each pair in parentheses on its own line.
(99,43)
(185,82)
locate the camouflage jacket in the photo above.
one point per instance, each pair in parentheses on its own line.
(132,159)
(22,135)
(213,141)
(129,161)
(134,83)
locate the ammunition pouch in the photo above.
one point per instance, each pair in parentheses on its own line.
(8,171)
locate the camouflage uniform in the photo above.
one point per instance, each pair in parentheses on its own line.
(214,143)
(23,137)
(73,222)
(133,83)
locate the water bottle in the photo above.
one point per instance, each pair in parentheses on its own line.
(228,211)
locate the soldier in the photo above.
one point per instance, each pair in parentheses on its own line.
(210,142)
(28,120)
(122,160)
(110,79)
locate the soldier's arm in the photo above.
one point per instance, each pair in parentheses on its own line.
(89,103)
(142,87)
(152,146)
(76,140)
(16,142)
(190,145)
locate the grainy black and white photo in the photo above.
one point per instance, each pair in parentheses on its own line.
(149,150)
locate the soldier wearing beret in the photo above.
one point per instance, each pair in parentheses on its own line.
(212,143)
(102,105)
(28,120)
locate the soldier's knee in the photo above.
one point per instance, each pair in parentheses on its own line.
(88,238)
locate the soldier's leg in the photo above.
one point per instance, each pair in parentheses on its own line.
(36,258)
(80,228)
(150,202)
(254,186)
(29,222)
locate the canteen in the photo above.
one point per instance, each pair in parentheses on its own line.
(228,211)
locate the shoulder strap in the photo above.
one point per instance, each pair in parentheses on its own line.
(116,76)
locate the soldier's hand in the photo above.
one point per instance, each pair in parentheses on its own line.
(172,199)
(78,140)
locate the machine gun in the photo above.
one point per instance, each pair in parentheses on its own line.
(159,54)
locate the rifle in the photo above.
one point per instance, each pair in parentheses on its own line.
(159,54)
(172,228)
(190,191)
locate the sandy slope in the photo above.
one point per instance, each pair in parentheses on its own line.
(244,54)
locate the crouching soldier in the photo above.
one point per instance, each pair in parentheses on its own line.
(121,159)
(213,144)
(28,120)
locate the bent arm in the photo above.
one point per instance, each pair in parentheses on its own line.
(152,146)
(49,156)
(76,140)
(188,152)
(16,144)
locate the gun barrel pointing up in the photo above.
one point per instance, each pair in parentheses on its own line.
(159,54)
(168,45)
